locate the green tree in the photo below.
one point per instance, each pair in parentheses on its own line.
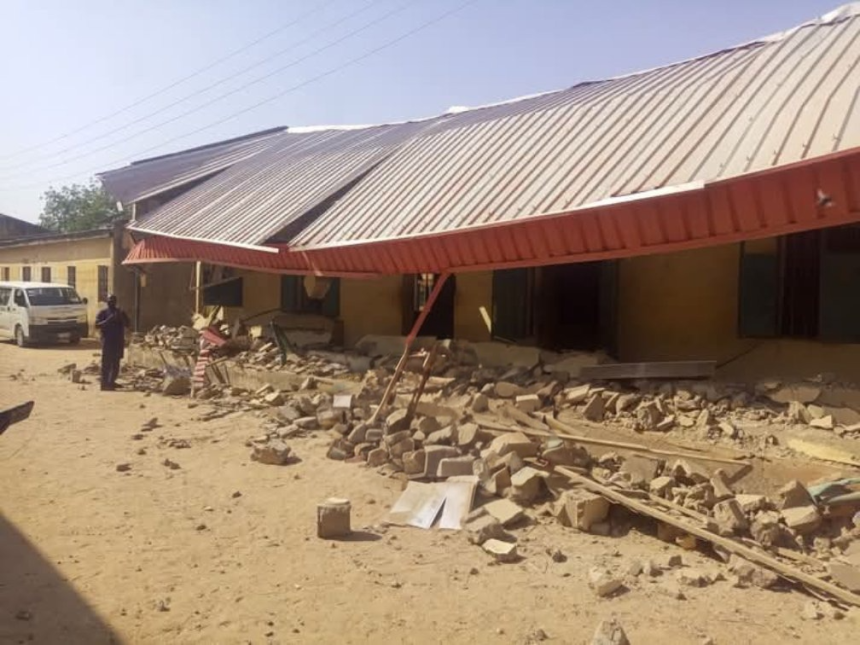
(78,207)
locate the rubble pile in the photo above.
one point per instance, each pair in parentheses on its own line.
(182,340)
(488,426)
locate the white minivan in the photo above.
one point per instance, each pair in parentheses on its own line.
(33,312)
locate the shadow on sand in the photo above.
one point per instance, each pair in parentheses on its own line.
(37,605)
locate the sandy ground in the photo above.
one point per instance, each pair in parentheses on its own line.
(223,550)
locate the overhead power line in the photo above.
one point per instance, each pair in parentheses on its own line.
(172,85)
(318,77)
(219,97)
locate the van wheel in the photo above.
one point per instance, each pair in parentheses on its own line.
(74,340)
(19,336)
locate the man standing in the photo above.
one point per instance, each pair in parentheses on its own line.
(112,323)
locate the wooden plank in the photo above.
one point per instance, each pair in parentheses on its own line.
(567,430)
(672,369)
(726,543)
(521,417)
(825,453)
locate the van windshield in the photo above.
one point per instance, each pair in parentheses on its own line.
(53,296)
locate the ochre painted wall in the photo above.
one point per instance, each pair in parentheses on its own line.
(473,306)
(679,306)
(261,292)
(683,306)
(371,307)
(166,297)
(85,255)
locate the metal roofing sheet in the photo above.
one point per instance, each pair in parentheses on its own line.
(757,205)
(782,99)
(149,177)
(768,103)
(254,200)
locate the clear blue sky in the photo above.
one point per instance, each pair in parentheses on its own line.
(65,63)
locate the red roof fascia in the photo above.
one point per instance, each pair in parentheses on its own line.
(800,197)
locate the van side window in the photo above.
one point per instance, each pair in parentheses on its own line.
(20,300)
(4,296)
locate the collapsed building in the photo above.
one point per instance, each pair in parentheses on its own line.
(694,221)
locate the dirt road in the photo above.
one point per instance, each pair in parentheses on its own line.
(223,549)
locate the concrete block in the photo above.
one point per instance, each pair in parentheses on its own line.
(444,436)
(377,457)
(455,466)
(501,551)
(641,469)
(274,399)
(402,447)
(467,434)
(751,503)
(513,442)
(480,403)
(825,423)
(483,528)
(801,519)
(794,494)
(505,511)
(528,403)
(358,434)
(413,462)
(333,519)
(275,453)
(576,395)
(662,485)
(505,390)
(721,486)
(526,485)
(397,421)
(427,425)
(328,419)
(729,517)
(435,454)
(581,509)
(603,583)
(595,409)
(498,482)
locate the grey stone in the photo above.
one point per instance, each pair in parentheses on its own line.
(276,453)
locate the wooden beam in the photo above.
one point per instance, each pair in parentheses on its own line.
(566,429)
(416,328)
(727,543)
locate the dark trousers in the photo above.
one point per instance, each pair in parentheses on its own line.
(110,365)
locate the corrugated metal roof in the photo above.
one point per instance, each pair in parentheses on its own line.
(784,99)
(155,175)
(773,202)
(252,201)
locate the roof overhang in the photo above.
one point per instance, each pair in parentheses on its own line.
(807,195)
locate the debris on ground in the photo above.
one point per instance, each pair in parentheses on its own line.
(511,429)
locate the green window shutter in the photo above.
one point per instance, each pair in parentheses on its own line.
(290,286)
(839,304)
(331,302)
(511,304)
(609,306)
(225,294)
(758,306)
